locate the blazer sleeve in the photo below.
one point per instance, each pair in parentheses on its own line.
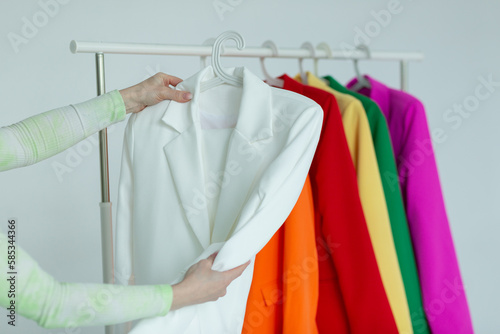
(274,197)
(124,273)
(430,230)
(374,206)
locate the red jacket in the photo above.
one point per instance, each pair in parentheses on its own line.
(352,298)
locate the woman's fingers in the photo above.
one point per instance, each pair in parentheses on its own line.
(152,91)
(171,80)
(176,95)
(234,273)
(171,94)
(202,284)
(213,256)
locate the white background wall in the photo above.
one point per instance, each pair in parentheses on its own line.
(59,217)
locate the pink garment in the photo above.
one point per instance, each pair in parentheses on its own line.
(444,298)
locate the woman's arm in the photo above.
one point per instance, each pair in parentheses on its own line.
(44,135)
(38,296)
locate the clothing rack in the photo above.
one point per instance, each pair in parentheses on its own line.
(269,50)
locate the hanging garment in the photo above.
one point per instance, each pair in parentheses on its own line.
(352,298)
(283,297)
(395,206)
(444,298)
(165,198)
(371,192)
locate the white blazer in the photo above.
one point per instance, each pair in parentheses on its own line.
(162,221)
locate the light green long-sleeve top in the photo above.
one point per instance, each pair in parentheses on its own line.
(38,296)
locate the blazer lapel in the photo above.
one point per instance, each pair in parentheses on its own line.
(244,154)
(184,157)
(243,158)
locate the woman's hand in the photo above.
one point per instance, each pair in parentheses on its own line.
(151,91)
(202,284)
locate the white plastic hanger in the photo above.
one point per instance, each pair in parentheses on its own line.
(269,79)
(322,46)
(221,76)
(362,81)
(310,47)
(203,59)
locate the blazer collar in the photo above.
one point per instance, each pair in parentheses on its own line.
(291,84)
(256,95)
(378,92)
(184,151)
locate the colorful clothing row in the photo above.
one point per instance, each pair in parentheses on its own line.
(384,254)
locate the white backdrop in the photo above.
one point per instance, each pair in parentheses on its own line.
(58,213)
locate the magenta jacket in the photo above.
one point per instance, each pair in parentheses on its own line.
(444,299)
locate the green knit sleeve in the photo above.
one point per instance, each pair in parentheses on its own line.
(34,293)
(44,135)
(39,297)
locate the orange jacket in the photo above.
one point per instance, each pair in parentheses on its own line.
(283,297)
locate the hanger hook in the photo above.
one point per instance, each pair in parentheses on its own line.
(269,79)
(362,81)
(310,47)
(325,47)
(216,53)
(271,45)
(361,47)
(365,48)
(203,59)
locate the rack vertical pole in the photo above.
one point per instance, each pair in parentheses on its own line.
(105,205)
(404,75)
(103,135)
